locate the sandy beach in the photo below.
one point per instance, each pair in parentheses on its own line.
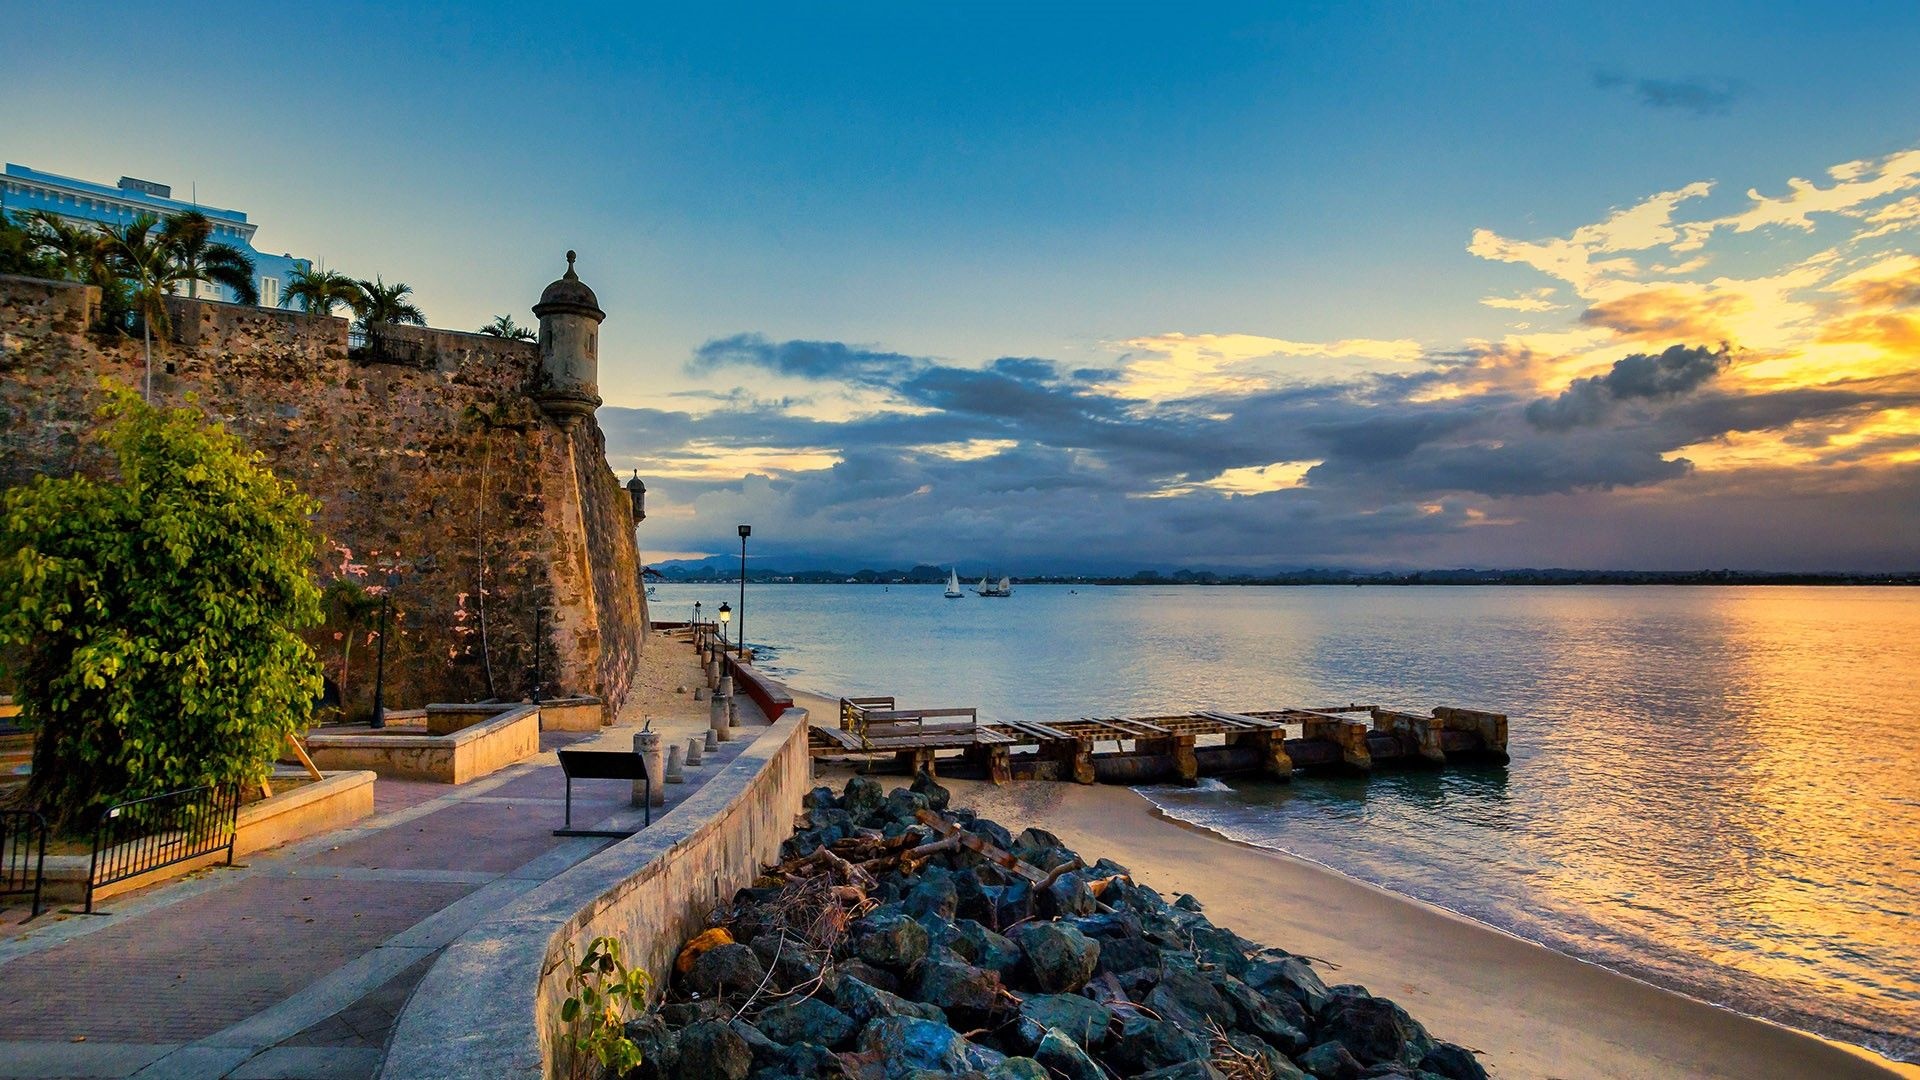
(1529,1011)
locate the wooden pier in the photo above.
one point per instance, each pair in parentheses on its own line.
(1180,748)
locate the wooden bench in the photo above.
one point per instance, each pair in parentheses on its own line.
(603,765)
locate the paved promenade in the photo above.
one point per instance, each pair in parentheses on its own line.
(294,964)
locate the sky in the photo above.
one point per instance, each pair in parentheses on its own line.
(1056,288)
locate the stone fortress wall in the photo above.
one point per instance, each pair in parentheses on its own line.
(439,458)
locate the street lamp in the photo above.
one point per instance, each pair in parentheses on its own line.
(745,531)
(696,625)
(726,616)
(380,667)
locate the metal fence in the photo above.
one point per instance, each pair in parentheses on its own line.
(143,835)
(23,853)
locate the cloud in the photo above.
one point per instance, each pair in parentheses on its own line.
(802,359)
(1531,300)
(1667,313)
(1703,97)
(1679,370)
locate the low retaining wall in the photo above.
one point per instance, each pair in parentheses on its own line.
(573,714)
(772,698)
(489,1007)
(491,743)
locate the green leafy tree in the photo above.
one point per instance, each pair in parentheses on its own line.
(383,304)
(503,326)
(150,618)
(349,603)
(22,253)
(320,291)
(197,257)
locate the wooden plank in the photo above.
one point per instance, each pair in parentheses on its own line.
(1005,860)
(1245,720)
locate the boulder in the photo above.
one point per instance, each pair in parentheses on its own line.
(992,833)
(767,1054)
(934,894)
(1197,1069)
(1186,902)
(713,1050)
(1191,999)
(1452,1062)
(982,947)
(862,798)
(1064,1057)
(1224,949)
(937,797)
(726,969)
(867,1003)
(959,987)
(1060,958)
(659,1047)
(1292,976)
(903,806)
(807,1020)
(1069,896)
(1330,1061)
(1261,1016)
(906,1043)
(1145,1043)
(894,942)
(1082,1018)
(982,1059)
(1126,954)
(1374,1030)
(1018,1068)
(820,798)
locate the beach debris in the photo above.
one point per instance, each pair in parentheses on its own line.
(900,936)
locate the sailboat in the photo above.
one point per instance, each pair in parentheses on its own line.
(953,585)
(1005,588)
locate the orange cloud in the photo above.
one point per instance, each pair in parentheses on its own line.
(1668,314)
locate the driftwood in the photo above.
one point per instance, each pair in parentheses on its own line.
(1004,860)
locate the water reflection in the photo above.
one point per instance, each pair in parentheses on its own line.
(1713,788)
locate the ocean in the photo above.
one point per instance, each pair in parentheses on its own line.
(1713,789)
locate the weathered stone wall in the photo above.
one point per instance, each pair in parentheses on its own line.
(439,462)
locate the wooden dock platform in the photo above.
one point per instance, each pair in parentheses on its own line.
(1143,749)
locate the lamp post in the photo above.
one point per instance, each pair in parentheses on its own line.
(380,666)
(726,616)
(745,531)
(696,627)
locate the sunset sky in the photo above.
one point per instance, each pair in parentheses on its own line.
(1104,288)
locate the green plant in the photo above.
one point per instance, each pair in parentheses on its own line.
(603,993)
(149,619)
(319,291)
(380,303)
(349,602)
(197,257)
(503,326)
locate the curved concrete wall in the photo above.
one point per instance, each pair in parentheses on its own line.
(488,1007)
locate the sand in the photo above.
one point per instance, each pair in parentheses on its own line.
(1529,1011)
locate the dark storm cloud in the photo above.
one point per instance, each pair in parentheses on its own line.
(1700,96)
(1679,370)
(803,359)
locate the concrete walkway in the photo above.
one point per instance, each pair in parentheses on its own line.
(295,964)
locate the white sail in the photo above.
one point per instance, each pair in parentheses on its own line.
(1006,586)
(953,585)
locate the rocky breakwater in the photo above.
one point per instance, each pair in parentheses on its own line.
(900,938)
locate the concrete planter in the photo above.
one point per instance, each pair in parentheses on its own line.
(574,714)
(473,740)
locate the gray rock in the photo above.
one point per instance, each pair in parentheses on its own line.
(713,1050)
(1197,1069)
(862,798)
(1061,1055)
(1292,976)
(895,942)
(1330,1061)
(876,977)
(902,806)
(1453,1062)
(1186,902)
(1070,896)
(1060,958)
(726,969)
(937,797)
(869,1003)
(906,1043)
(959,987)
(983,1058)
(1085,1019)
(659,1047)
(1188,997)
(1261,1016)
(820,798)
(766,1052)
(934,894)
(1375,1030)
(1221,948)
(1145,1043)
(807,1020)
(1126,954)
(1018,1068)
(981,947)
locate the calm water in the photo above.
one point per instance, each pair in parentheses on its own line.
(1717,790)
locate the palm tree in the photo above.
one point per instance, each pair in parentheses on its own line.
(82,253)
(21,251)
(503,326)
(145,260)
(190,237)
(320,291)
(380,303)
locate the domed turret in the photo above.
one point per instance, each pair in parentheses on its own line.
(570,318)
(637,491)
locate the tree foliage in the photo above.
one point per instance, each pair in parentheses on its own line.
(149,619)
(382,304)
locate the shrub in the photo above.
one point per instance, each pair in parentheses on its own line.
(149,620)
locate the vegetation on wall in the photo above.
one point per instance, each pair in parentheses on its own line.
(150,618)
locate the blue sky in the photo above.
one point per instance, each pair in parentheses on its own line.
(1146,193)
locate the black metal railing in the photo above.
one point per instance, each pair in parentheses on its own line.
(143,835)
(23,854)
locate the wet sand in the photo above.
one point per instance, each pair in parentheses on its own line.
(1529,1011)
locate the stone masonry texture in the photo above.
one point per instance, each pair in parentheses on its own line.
(436,460)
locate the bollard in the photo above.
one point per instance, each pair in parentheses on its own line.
(717,719)
(712,740)
(647,745)
(699,693)
(733,712)
(696,748)
(726,686)
(674,775)
(713,673)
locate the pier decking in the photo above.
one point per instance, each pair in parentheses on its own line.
(1180,747)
